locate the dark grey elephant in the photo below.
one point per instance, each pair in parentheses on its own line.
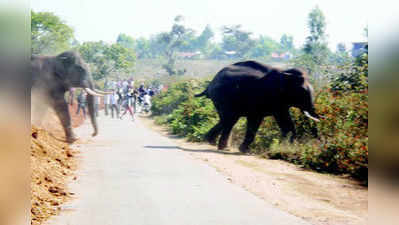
(52,76)
(255,90)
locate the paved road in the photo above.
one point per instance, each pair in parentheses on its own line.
(131,175)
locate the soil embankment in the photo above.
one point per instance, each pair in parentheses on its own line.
(53,164)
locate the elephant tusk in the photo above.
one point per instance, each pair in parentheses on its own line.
(103,92)
(311,117)
(91,92)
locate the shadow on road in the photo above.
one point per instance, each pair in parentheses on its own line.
(193,150)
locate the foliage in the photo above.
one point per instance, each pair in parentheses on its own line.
(126,41)
(237,40)
(203,40)
(105,59)
(315,55)
(265,46)
(172,41)
(316,44)
(287,42)
(341,48)
(183,39)
(353,77)
(49,34)
(143,48)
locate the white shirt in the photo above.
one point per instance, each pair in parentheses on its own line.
(147,99)
(114,99)
(124,84)
(107,99)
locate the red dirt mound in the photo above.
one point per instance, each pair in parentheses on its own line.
(53,164)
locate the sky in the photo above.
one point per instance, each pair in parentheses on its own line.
(95,20)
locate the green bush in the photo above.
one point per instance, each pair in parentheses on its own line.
(352,76)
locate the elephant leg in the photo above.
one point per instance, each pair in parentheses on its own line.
(286,124)
(253,123)
(227,125)
(213,133)
(61,108)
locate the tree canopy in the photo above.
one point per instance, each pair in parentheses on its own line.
(49,34)
(237,40)
(105,59)
(316,42)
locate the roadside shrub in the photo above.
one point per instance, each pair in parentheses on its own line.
(167,101)
(193,118)
(352,77)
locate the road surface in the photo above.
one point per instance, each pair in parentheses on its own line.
(131,175)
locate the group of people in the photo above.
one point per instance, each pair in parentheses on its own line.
(127,99)
(123,98)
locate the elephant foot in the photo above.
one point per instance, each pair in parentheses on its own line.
(222,146)
(244,148)
(71,139)
(210,140)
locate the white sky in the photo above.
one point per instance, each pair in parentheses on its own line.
(95,20)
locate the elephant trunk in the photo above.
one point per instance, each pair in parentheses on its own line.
(92,111)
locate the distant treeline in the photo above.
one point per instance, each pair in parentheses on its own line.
(51,35)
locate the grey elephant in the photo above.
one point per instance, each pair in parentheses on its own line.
(52,76)
(254,90)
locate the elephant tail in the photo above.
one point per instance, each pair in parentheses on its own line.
(204,93)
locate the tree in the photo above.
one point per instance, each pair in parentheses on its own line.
(341,56)
(316,42)
(173,41)
(105,59)
(341,48)
(49,34)
(264,46)
(237,40)
(287,42)
(143,48)
(315,52)
(203,40)
(122,58)
(125,41)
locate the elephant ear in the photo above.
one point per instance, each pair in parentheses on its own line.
(296,77)
(62,62)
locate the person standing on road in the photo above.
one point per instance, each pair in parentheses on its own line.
(147,103)
(127,101)
(127,106)
(71,96)
(114,104)
(107,99)
(82,103)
